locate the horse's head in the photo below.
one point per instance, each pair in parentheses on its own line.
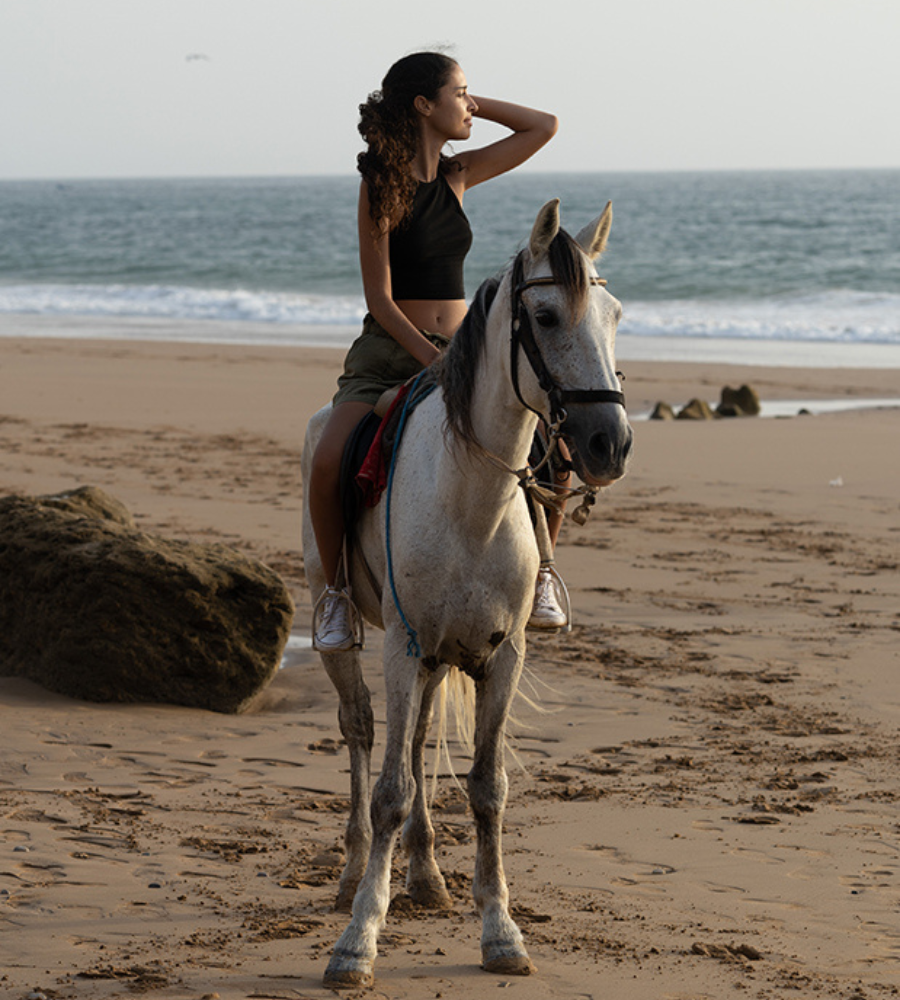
(563,344)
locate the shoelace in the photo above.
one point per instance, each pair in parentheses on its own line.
(545,598)
(334,616)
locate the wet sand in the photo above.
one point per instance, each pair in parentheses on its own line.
(706,806)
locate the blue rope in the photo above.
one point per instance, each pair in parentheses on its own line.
(412,647)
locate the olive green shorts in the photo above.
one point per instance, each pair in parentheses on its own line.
(376,363)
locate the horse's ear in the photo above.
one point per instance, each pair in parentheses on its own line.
(546,226)
(592,239)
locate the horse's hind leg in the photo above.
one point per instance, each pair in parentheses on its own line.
(502,948)
(355,716)
(424,881)
(353,958)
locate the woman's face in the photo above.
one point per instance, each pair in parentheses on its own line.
(450,114)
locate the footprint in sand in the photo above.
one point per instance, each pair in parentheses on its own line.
(721,887)
(15,836)
(644,876)
(77,778)
(326,746)
(886,942)
(763,857)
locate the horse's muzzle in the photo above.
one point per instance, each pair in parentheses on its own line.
(600,439)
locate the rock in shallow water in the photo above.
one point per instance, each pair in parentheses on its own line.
(696,409)
(662,411)
(743,402)
(93,608)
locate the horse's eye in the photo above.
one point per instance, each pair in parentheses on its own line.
(546,318)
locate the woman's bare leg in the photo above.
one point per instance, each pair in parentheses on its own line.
(562,480)
(324,485)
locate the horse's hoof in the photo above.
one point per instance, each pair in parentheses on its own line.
(346,972)
(432,895)
(350,980)
(504,961)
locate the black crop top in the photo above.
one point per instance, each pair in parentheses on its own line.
(428,249)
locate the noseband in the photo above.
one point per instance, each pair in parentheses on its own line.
(522,336)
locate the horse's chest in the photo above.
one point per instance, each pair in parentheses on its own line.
(474,606)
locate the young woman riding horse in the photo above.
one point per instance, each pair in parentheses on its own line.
(445,566)
(413,239)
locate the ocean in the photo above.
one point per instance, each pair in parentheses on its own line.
(803,265)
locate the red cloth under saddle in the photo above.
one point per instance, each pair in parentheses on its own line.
(373,473)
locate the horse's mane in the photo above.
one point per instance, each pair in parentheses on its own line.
(456,372)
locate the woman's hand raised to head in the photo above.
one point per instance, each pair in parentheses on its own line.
(531,130)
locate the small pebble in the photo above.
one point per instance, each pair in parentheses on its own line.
(154,885)
(21,848)
(262,874)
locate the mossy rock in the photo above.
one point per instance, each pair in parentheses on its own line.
(93,608)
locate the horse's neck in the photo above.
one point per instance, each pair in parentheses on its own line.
(503,427)
(478,482)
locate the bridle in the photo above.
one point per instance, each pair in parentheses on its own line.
(522,337)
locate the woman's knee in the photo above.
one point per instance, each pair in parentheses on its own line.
(325,471)
(326,464)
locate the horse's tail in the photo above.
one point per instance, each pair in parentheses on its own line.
(456,697)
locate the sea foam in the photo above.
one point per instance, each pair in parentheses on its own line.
(174,302)
(839,316)
(835,316)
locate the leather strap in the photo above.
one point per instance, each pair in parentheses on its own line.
(522,336)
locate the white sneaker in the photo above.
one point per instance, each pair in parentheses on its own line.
(333,631)
(546,612)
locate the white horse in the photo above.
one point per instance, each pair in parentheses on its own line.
(464,562)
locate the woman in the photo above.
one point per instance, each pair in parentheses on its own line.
(413,239)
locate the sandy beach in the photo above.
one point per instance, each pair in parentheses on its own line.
(706,806)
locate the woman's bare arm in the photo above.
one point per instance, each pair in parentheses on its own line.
(530,129)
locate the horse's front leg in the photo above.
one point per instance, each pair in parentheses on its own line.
(354,954)
(357,728)
(502,948)
(424,881)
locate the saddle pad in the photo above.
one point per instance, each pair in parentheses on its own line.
(368,452)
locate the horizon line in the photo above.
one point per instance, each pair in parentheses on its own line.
(74,179)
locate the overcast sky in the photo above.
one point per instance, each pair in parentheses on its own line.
(106,88)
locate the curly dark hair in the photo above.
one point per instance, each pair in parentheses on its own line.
(388,122)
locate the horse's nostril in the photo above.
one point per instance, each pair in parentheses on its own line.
(599,445)
(612,449)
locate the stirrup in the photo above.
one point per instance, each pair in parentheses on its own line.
(561,592)
(357,625)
